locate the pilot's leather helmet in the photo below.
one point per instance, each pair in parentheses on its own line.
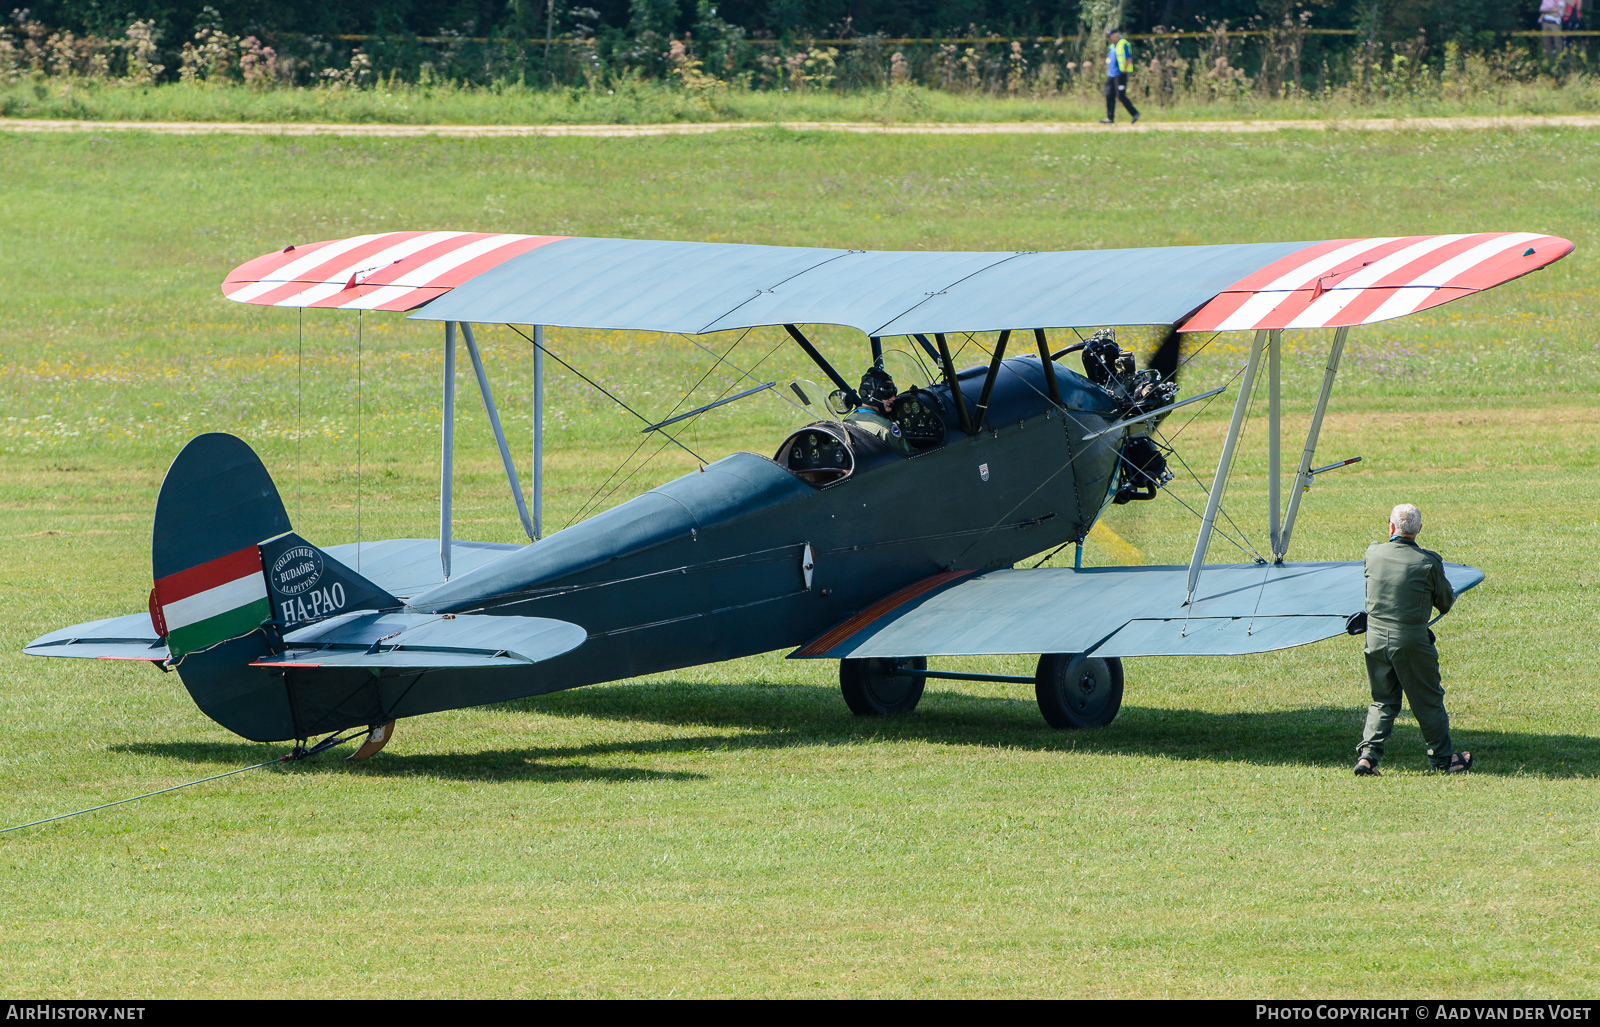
(876,386)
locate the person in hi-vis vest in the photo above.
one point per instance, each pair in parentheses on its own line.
(1119,61)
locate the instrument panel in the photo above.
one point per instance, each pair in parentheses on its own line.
(816,456)
(918,419)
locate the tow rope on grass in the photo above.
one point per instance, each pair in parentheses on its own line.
(299,753)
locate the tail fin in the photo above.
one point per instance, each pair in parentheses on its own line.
(230,578)
(216,505)
(306,585)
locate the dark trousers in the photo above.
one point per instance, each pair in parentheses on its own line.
(1412,670)
(1117,89)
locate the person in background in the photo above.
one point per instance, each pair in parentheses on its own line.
(1405,584)
(1119,61)
(1550,12)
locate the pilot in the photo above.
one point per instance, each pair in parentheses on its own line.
(877,394)
(1405,584)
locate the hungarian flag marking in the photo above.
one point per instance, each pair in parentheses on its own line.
(218,600)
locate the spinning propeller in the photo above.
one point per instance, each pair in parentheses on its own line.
(1165,356)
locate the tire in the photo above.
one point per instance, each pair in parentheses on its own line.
(872,688)
(1077,691)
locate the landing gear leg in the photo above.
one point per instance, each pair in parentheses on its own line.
(1078,691)
(875,688)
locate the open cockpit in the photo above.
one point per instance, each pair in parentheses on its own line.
(828,452)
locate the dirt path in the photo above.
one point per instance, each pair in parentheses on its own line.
(701,128)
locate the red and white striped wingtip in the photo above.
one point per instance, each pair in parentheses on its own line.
(1347,282)
(391,271)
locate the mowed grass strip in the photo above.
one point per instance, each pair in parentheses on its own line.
(639,102)
(732,830)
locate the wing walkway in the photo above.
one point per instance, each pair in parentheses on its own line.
(1458,124)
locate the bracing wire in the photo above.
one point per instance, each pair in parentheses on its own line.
(970,339)
(299,435)
(596,497)
(1171,449)
(1185,361)
(644,441)
(608,493)
(1197,514)
(1266,573)
(1053,552)
(922,366)
(1251,551)
(1201,517)
(750,375)
(1060,407)
(1207,493)
(726,389)
(1235,543)
(707,374)
(1195,416)
(361,322)
(602,390)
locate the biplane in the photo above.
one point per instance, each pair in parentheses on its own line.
(881,541)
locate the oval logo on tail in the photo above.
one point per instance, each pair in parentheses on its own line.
(296,569)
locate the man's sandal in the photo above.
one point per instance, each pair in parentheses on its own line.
(1460,763)
(1366,766)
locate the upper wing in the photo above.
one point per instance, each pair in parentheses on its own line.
(1109,611)
(389,271)
(1359,281)
(694,288)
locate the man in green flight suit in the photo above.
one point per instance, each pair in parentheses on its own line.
(1405,584)
(877,394)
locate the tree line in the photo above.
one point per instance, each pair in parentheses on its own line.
(1473,24)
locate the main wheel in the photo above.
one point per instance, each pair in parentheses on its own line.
(1078,691)
(875,688)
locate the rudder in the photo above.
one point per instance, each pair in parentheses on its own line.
(231,578)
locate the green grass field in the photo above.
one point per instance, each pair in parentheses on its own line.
(632,101)
(732,830)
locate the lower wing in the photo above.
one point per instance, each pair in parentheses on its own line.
(1109,611)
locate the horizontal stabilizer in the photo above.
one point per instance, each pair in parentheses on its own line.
(1110,611)
(407,567)
(117,638)
(419,641)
